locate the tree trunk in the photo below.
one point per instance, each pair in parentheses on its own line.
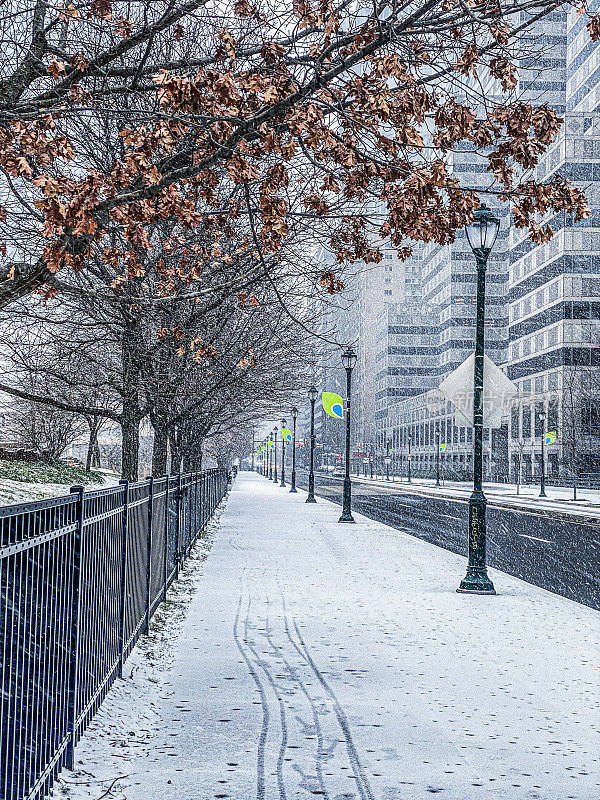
(130,444)
(96,461)
(92,445)
(192,460)
(159,450)
(175,465)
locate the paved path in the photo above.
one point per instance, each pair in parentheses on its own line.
(304,658)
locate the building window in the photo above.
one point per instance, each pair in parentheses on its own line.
(552,381)
(590,418)
(539,341)
(387,291)
(514,422)
(526,422)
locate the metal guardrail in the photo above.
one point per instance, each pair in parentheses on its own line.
(81,576)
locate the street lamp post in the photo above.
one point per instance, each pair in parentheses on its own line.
(283,483)
(294,417)
(275,479)
(312,396)
(408,459)
(481,234)
(542,416)
(437,459)
(348,360)
(269,458)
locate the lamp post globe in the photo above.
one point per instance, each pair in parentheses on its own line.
(283,425)
(481,235)
(293,489)
(348,361)
(312,396)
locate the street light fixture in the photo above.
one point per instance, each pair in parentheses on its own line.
(312,396)
(294,417)
(542,416)
(437,459)
(269,457)
(481,235)
(283,424)
(409,458)
(348,361)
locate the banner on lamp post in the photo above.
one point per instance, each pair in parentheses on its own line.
(333,405)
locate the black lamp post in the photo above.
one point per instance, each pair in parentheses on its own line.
(481,234)
(312,396)
(275,479)
(294,417)
(348,360)
(542,416)
(408,459)
(437,459)
(270,457)
(283,483)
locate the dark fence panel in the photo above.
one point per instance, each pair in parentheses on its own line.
(80,578)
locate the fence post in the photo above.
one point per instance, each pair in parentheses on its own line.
(178,496)
(149,549)
(166,550)
(125,485)
(195,507)
(74,633)
(203,501)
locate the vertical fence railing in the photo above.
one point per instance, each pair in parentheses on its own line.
(80,578)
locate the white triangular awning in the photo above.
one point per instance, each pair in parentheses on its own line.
(498,391)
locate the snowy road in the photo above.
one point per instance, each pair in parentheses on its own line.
(304,658)
(558,553)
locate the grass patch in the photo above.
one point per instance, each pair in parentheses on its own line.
(40,472)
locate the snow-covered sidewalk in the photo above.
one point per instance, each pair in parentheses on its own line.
(305,658)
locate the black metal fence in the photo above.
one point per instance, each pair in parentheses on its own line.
(81,577)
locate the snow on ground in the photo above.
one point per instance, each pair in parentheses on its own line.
(12,491)
(306,658)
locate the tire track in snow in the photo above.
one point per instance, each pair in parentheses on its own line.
(294,673)
(282,712)
(262,741)
(362,782)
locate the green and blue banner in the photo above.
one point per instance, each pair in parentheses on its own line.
(333,405)
(550,437)
(286,434)
(443,447)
